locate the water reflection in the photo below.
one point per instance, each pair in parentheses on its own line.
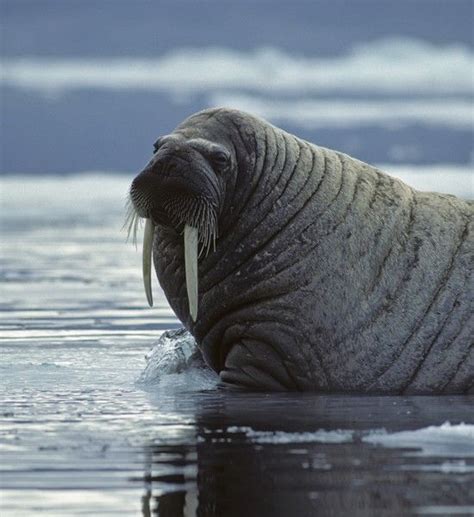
(231,470)
(170,471)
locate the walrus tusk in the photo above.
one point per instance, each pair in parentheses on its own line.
(147,254)
(191,267)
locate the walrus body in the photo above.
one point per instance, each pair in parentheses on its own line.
(327,274)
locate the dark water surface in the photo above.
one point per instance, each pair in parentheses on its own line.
(260,455)
(79,436)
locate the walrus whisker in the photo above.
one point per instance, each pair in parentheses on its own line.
(198,213)
(132,221)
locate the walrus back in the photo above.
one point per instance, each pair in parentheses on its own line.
(392,291)
(379,272)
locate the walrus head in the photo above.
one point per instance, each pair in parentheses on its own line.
(181,188)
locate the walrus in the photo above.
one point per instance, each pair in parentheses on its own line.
(300,268)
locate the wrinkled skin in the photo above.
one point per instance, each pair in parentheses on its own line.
(328,275)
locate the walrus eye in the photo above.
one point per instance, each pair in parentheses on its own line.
(220,158)
(156,145)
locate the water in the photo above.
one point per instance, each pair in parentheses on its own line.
(80,436)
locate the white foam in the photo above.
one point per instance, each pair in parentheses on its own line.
(445,440)
(445,467)
(313,113)
(175,363)
(282,437)
(444,510)
(172,353)
(387,65)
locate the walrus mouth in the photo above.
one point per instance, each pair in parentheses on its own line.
(197,217)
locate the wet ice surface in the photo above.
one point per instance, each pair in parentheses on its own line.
(90,428)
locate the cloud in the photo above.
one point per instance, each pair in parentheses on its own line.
(397,65)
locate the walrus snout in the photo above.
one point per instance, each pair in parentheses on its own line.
(174,185)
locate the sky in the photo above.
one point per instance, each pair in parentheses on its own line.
(89,85)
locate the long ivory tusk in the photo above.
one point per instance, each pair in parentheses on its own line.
(147,257)
(191,268)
